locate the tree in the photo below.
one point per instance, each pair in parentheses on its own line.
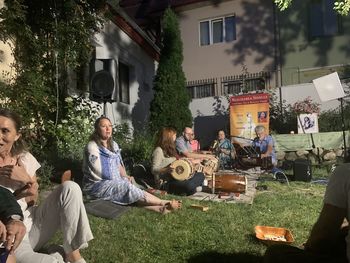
(47,38)
(170,105)
(342,7)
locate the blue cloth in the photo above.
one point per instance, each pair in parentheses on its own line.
(182,145)
(102,178)
(263,146)
(224,158)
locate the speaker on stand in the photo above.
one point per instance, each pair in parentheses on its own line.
(102,87)
(329,88)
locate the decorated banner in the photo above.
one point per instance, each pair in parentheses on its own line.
(307,123)
(246,112)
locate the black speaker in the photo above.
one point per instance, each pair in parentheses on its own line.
(302,170)
(101,86)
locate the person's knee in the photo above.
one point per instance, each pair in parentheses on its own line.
(71,189)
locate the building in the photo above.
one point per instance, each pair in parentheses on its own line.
(125,51)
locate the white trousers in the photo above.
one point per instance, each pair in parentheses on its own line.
(62,210)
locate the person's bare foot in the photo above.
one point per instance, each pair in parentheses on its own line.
(173,205)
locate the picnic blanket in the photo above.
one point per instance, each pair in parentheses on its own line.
(232,198)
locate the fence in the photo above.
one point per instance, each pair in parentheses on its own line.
(229,85)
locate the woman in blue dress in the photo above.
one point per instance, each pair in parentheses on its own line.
(105,176)
(224,150)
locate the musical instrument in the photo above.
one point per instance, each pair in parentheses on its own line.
(183,169)
(264,163)
(250,156)
(208,167)
(228,181)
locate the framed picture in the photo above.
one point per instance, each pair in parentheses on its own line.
(307,123)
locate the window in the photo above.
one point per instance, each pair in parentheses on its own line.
(124,93)
(217,30)
(237,86)
(323,19)
(202,90)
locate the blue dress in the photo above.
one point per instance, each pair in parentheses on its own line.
(224,158)
(102,179)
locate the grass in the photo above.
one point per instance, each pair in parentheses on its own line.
(225,233)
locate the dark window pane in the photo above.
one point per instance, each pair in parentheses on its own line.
(323,19)
(230,28)
(124,95)
(316,20)
(330,26)
(204,33)
(217,31)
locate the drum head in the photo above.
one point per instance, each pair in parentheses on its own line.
(182,170)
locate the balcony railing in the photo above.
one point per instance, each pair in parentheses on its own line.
(232,85)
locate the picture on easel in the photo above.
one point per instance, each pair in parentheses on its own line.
(307,123)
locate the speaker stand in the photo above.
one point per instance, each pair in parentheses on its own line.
(104,108)
(343,128)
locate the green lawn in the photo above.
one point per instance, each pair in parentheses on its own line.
(225,233)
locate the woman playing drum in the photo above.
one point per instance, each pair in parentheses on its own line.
(162,158)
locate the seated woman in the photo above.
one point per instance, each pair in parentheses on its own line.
(105,176)
(62,210)
(163,156)
(224,150)
(194,144)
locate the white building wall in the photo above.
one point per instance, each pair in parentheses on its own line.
(6,58)
(113,43)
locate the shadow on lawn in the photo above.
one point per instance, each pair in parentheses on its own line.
(211,256)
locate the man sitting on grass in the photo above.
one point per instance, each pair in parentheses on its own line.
(329,238)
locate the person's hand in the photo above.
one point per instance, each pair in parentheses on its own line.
(210,157)
(263,155)
(195,161)
(29,190)
(168,169)
(15,233)
(16,173)
(2,232)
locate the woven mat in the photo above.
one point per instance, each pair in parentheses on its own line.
(246,198)
(105,209)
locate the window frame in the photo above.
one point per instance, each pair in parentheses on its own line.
(324,34)
(123,98)
(211,22)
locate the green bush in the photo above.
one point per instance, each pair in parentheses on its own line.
(136,148)
(72,133)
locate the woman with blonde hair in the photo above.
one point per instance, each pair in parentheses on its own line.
(163,156)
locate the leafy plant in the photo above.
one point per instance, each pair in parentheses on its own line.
(306,106)
(72,133)
(282,119)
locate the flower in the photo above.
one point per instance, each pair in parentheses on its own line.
(306,106)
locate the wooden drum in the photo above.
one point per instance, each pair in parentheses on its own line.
(228,182)
(182,170)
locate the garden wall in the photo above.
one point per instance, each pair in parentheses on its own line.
(327,146)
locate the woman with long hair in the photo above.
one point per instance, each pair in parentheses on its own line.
(163,156)
(105,176)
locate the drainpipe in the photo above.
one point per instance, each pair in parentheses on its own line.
(278,67)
